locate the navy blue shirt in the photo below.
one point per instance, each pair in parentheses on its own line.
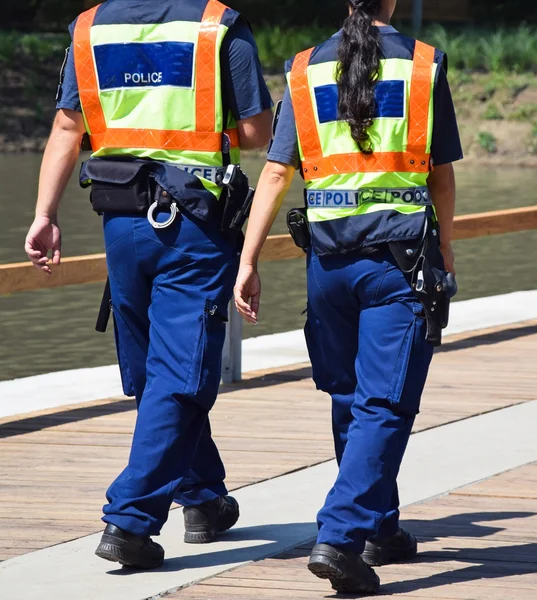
(446,144)
(245,91)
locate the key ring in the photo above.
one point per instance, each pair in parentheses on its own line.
(173,213)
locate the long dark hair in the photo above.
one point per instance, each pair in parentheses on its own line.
(359,55)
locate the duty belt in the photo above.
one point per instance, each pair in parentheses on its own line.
(418,196)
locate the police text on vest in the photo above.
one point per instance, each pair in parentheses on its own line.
(143,78)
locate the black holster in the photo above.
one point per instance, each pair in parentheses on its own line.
(298,227)
(422,264)
(237,200)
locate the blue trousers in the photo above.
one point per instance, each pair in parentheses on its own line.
(170,292)
(366,339)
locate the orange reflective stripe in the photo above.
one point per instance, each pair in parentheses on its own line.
(163,139)
(306,121)
(206,67)
(86,74)
(204,139)
(420,98)
(378,162)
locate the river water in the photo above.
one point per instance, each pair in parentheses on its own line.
(53,330)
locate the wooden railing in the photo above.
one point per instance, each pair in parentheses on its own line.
(23,276)
(19,277)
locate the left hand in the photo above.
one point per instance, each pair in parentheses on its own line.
(248,293)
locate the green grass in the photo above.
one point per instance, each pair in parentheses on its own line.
(494,51)
(524,112)
(31,47)
(503,50)
(487,142)
(493,113)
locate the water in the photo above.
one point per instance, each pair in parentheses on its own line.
(52,330)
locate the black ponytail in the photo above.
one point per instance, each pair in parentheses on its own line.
(359,56)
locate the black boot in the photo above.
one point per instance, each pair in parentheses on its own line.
(204,522)
(130,550)
(346,571)
(396,548)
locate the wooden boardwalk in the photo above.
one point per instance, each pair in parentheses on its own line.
(478,543)
(56,466)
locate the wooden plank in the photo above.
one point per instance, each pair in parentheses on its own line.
(280,247)
(497,222)
(92,269)
(19,277)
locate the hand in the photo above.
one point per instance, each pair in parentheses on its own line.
(44,235)
(449,257)
(248,292)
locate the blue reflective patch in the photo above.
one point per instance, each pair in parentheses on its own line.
(390,97)
(144,65)
(327,97)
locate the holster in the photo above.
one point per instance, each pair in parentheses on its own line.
(298,227)
(237,200)
(423,265)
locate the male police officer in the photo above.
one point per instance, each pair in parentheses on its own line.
(168,91)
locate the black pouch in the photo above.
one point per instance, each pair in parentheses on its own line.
(119,187)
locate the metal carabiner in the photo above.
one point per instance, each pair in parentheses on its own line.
(173,213)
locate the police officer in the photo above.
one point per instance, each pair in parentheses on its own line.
(366,117)
(168,91)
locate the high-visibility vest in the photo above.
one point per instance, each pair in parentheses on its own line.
(154,91)
(352,196)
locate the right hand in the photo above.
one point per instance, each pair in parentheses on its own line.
(44,236)
(248,293)
(449,257)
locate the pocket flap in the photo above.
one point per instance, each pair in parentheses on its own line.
(110,171)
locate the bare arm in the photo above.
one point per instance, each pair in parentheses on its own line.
(272,188)
(255,132)
(59,160)
(441,184)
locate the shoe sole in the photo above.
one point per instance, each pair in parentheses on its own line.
(200,537)
(113,552)
(207,536)
(380,558)
(324,567)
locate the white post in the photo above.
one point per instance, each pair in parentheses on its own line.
(417,16)
(232,354)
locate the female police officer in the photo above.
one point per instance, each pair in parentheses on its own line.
(169,90)
(366,116)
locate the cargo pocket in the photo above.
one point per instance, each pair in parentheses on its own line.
(203,378)
(411,367)
(315,353)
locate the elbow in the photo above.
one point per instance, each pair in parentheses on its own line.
(255,132)
(278,174)
(255,141)
(69,123)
